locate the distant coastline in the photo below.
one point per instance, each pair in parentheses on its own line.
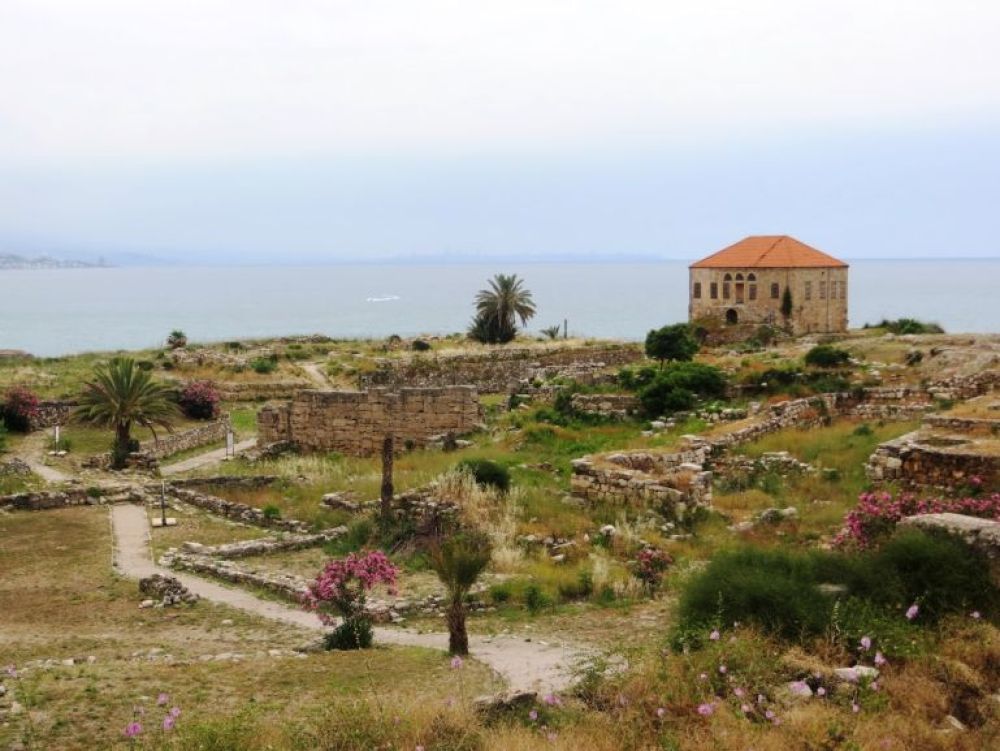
(13,262)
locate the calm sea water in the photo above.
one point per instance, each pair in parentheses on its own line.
(72,310)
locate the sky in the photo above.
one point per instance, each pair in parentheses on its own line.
(319,131)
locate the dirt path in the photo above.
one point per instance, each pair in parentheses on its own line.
(316,374)
(32,453)
(205,460)
(524,665)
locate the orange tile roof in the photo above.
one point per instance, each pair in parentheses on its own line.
(768,252)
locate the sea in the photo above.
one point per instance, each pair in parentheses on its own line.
(57,312)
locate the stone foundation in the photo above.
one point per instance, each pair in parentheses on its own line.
(356,422)
(615,406)
(914,463)
(499,369)
(236,511)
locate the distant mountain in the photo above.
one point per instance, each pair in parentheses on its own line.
(13,261)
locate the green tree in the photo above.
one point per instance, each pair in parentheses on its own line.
(459,561)
(120,396)
(499,308)
(675,342)
(177,339)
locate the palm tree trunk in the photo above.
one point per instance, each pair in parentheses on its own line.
(458,637)
(120,452)
(387,489)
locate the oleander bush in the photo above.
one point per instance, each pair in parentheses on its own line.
(20,407)
(200,400)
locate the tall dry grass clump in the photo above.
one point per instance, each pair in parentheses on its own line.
(487,509)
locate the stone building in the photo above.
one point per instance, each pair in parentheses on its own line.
(747,283)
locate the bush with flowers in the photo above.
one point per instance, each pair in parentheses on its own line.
(650,566)
(877,514)
(19,408)
(339,596)
(200,400)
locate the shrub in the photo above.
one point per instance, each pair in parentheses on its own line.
(773,589)
(200,400)
(675,342)
(501,593)
(487,473)
(552,332)
(535,599)
(678,386)
(907,326)
(146,365)
(354,633)
(271,511)
(20,407)
(264,365)
(827,356)
(876,515)
(651,565)
(419,345)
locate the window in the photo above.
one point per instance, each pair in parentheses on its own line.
(727,278)
(843,290)
(751,277)
(809,290)
(739,277)
(713,290)
(822,290)
(697,290)
(775,290)
(725,290)
(752,291)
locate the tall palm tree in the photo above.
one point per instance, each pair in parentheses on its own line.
(458,562)
(499,307)
(122,395)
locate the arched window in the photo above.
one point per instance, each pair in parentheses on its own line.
(751,277)
(697,290)
(775,290)
(739,277)
(727,278)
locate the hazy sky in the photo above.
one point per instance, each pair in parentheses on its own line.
(318,130)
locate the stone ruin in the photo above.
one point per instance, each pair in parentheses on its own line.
(356,422)
(165,591)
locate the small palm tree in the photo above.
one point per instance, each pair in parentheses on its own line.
(458,562)
(177,339)
(122,395)
(552,332)
(500,307)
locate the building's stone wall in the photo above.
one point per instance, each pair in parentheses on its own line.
(356,422)
(500,369)
(814,308)
(252,391)
(617,406)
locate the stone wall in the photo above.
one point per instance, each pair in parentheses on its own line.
(912,461)
(240,512)
(50,413)
(173,443)
(500,369)
(253,391)
(355,422)
(618,406)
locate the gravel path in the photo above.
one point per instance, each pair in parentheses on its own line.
(317,374)
(204,460)
(32,453)
(524,665)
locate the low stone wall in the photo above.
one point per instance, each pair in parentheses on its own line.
(174,443)
(356,422)
(50,413)
(912,462)
(264,545)
(982,425)
(255,482)
(616,406)
(500,369)
(43,500)
(237,511)
(250,391)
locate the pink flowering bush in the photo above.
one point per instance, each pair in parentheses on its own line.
(19,408)
(200,400)
(339,596)
(650,566)
(877,514)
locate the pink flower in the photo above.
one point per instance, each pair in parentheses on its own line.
(552,700)
(703,677)
(168,722)
(912,611)
(723,669)
(866,643)
(820,691)
(660,712)
(769,714)
(874,686)
(705,710)
(746,708)
(855,707)
(714,636)
(739,692)
(162,699)
(456,662)
(175,712)
(880,659)
(533,715)
(133,729)
(975,615)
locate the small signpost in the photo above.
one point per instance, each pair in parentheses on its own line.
(164,520)
(230,443)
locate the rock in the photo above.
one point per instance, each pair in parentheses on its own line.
(227,622)
(494,705)
(956,723)
(777,515)
(608,530)
(147,604)
(3,690)
(69,662)
(794,692)
(16,708)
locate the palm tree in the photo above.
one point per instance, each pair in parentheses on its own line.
(122,395)
(500,307)
(458,562)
